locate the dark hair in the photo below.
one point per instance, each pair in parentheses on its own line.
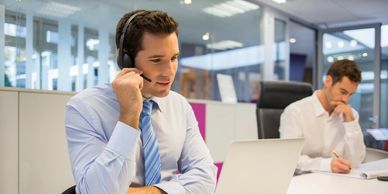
(152,21)
(342,68)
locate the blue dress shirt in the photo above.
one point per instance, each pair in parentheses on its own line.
(106,154)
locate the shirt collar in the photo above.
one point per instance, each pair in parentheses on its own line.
(158,103)
(318,108)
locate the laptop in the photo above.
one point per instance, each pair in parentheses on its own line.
(259,166)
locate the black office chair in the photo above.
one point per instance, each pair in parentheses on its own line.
(274,97)
(70,190)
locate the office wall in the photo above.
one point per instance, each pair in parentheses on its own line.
(33,142)
(9,142)
(44,165)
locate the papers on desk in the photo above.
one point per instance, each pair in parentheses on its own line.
(368,170)
(379,134)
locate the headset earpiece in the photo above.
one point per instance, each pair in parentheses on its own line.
(124,60)
(127,60)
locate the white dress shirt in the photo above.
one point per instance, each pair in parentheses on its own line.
(106,154)
(323,133)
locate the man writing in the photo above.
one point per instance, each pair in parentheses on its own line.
(134,135)
(328,123)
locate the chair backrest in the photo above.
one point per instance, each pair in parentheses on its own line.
(70,190)
(274,97)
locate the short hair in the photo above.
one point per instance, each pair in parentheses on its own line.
(342,68)
(152,21)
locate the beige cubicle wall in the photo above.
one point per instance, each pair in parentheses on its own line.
(9,141)
(33,148)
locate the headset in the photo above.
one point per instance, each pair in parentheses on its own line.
(124,60)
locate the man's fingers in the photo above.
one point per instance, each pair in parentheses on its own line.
(128,70)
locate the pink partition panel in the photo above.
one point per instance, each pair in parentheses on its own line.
(219,166)
(200,114)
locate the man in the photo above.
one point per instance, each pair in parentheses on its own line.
(329,124)
(109,132)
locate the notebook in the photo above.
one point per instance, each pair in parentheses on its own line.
(259,166)
(368,170)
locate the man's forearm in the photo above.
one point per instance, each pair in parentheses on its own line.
(145,190)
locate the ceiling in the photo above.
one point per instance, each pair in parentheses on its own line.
(332,13)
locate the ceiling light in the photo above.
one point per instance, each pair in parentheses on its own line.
(280,1)
(330,59)
(292,40)
(225,44)
(341,44)
(351,57)
(206,36)
(353,43)
(329,45)
(187,2)
(230,8)
(340,57)
(58,9)
(364,54)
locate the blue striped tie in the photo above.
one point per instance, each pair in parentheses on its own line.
(150,146)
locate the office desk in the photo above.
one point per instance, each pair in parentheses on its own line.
(331,184)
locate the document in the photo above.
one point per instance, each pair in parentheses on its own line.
(379,134)
(368,170)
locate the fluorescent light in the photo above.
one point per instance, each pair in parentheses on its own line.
(329,45)
(225,44)
(230,8)
(330,59)
(206,36)
(341,44)
(292,40)
(58,9)
(187,2)
(280,1)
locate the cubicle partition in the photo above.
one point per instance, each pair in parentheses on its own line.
(33,149)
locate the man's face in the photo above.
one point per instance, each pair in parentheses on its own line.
(340,91)
(158,60)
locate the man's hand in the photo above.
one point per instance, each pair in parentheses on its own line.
(145,190)
(127,86)
(342,107)
(340,165)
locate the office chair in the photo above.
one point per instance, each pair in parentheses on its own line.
(274,97)
(70,190)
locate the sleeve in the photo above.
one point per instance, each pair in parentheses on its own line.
(97,162)
(291,126)
(354,141)
(198,172)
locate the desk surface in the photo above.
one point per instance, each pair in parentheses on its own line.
(325,183)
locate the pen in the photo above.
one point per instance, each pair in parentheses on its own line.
(338,156)
(335,154)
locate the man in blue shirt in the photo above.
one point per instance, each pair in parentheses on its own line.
(104,123)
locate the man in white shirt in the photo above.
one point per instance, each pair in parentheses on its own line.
(334,140)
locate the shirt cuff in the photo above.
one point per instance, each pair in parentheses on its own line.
(352,127)
(123,140)
(171,187)
(325,165)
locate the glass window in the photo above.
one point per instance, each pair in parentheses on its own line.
(384,77)
(15,49)
(280,70)
(212,41)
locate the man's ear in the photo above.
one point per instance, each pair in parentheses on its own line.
(328,81)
